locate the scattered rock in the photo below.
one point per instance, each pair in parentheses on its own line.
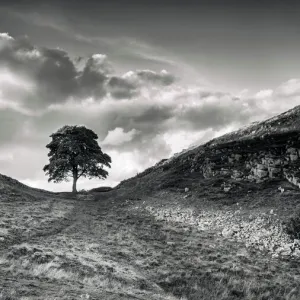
(229,232)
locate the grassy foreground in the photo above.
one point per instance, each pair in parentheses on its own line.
(137,247)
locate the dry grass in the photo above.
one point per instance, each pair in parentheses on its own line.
(141,249)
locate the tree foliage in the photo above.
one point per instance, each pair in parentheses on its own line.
(74,152)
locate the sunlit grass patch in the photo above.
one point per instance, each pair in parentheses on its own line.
(51,270)
(3,232)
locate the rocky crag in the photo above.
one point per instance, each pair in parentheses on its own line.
(273,157)
(263,151)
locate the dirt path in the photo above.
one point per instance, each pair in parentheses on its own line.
(79,245)
(110,249)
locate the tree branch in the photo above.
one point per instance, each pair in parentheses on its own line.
(83,171)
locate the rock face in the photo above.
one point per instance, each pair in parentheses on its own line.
(274,156)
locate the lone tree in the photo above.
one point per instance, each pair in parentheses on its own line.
(74,152)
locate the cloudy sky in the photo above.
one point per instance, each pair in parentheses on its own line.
(149,77)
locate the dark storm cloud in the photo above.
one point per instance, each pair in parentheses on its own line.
(54,72)
(157,103)
(162,78)
(57,73)
(56,76)
(121,88)
(234,43)
(128,86)
(50,70)
(93,77)
(213,116)
(155,115)
(142,108)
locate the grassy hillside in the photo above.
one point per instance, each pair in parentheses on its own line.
(176,231)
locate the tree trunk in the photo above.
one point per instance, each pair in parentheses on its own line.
(75,178)
(74,189)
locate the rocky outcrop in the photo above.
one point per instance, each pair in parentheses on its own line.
(275,156)
(262,151)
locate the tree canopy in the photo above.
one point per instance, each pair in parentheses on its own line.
(74,152)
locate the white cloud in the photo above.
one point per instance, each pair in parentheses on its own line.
(243,93)
(117,136)
(29,54)
(5,36)
(181,139)
(99,62)
(289,88)
(140,117)
(264,94)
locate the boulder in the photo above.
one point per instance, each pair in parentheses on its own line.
(278,162)
(237,175)
(264,161)
(207,171)
(295,180)
(261,167)
(261,173)
(238,157)
(294,157)
(227,188)
(292,150)
(274,172)
(251,177)
(273,162)
(230,232)
(248,166)
(224,171)
(226,232)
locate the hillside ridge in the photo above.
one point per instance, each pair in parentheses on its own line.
(267,150)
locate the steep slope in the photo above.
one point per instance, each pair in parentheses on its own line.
(262,151)
(252,173)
